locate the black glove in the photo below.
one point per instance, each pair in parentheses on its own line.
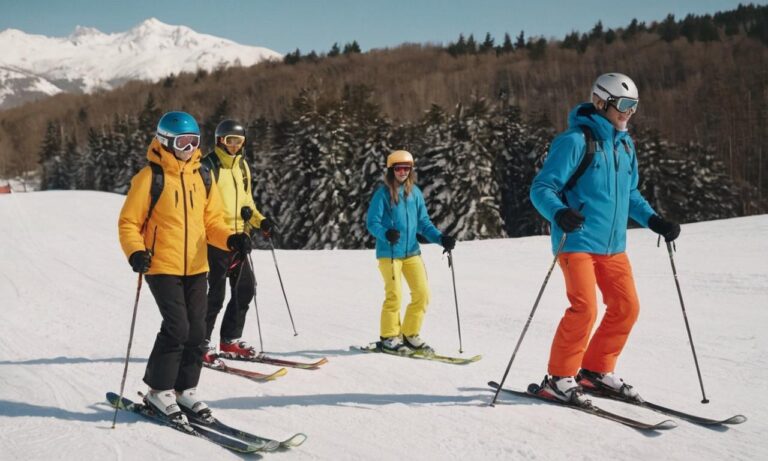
(239,242)
(140,261)
(393,235)
(266,227)
(448,242)
(667,229)
(569,219)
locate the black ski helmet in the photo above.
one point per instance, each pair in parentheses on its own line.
(227,127)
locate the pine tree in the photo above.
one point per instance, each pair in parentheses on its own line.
(50,158)
(462,191)
(487,44)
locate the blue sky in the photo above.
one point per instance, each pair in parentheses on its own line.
(284,25)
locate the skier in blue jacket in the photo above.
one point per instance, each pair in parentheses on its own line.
(593,213)
(395,215)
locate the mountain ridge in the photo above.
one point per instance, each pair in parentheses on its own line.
(89,59)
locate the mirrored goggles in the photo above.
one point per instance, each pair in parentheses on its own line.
(624,105)
(402,168)
(234,140)
(185,142)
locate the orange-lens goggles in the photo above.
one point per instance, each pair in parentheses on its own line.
(233,140)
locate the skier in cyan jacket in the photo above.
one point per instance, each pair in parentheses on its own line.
(593,213)
(395,215)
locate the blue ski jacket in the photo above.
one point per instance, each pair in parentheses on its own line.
(409,216)
(606,193)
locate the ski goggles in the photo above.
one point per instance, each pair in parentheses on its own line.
(402,168)
(624,105)
(185,142)
(182,142)
(234,140)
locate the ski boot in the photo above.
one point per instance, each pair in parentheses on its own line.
(608,384)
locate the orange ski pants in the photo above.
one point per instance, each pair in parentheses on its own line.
(572,348)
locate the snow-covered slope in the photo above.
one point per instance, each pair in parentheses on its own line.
(34,65)
(66,296)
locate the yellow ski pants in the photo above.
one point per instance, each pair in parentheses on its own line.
(416,275)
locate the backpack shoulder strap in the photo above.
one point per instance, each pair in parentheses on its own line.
(589,154)
(156,188)
(212,162)
(205,173)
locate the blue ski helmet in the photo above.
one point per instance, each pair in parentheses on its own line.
(173,124)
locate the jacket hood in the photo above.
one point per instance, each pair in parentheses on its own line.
(586,114)
(157,154)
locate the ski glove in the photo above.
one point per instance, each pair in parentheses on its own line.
(393,235)
(239,242)
(569,219)
(267,228)
(667,229)
(140,261)
(448,242)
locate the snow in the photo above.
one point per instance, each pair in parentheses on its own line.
(67,294)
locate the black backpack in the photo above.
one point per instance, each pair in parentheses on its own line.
(212,162)
(589,154)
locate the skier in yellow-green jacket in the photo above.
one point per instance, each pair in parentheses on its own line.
(233,180)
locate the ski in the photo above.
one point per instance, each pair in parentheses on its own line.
(219,365)
(376,348)
(262,358)
(700,420)
(205,434)
(532,393)
(267,443)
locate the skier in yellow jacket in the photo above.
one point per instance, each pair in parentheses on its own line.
(233,180)
(169,214)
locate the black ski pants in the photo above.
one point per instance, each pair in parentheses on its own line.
(177,356)
(241,294)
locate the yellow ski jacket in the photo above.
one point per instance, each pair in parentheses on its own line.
(234,193)
(184,220)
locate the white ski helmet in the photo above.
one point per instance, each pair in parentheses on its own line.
(613,86)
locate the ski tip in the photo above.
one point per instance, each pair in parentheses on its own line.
(665,425)
(295,440)
(736,419)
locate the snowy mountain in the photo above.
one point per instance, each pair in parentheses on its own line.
(67,294)
(33,66)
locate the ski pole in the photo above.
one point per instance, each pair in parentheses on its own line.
(282,287)
(255,304)
(246,213)
(687,326)
(133,324)
(128,353)
(455,298)
(530,317)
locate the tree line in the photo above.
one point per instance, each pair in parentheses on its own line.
(713,93)
(314,171)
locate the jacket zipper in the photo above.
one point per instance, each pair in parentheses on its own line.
(407,225)
(234,181)
(615,194)
(184,194)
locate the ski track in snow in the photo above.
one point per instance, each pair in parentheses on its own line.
(66,299)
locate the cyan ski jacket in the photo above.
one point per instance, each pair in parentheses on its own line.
(606,193)
(408,215)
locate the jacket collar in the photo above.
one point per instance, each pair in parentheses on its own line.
(226,160)
(157,154)
(586,114)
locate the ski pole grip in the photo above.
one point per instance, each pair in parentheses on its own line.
(246,213)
